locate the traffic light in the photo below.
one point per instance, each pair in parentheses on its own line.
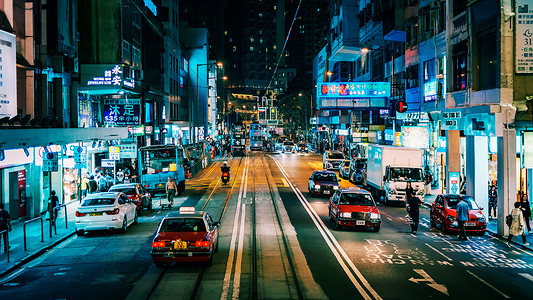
(401,106)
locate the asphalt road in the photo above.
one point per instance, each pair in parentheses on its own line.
(292,252)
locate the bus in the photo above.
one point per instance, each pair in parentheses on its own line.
(157,163)
(238,141)
(256,137)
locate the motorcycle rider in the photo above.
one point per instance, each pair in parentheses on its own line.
(225,168)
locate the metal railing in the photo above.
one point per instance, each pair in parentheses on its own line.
(6,240)
(56,211)
(24,229)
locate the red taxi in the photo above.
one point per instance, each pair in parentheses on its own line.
(354,207)
(443,214)
(185,236)
(136,193)
(323,183)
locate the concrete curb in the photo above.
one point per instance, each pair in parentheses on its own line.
(35,254)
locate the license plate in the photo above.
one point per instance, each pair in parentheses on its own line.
(96,214)
(470,224)
(360,222)
(326,192)
(179,245)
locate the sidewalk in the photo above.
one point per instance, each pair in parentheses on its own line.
(491,225)
(18,256)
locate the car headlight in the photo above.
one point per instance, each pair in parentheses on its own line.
(374,216)
(482,219)
(317,187)
(346,215)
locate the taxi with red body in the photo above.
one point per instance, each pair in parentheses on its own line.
(354,207)
(323,183)
(443,214)
(136,193)
(185,236)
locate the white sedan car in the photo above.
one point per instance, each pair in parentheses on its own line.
(104,211)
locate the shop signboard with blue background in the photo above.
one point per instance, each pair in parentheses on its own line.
(454,183)
(122,112)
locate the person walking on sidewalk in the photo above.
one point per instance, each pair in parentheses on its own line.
(462,217)
(493,202)
(413,206)
(92,185)
(526,211)
(5,224)
(409,193)
(53,202)
(171,189)
(517,227)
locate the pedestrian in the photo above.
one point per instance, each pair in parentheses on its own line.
(53,202)
(493,201)
(84,185)
(526,211)
(172,190)
(5,224)
(517,227)
(413,207)
(93,186)
(428,181)
(409,193)
(462,217)
(102,184)
(120,176)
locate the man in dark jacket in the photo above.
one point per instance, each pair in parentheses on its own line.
(92,185)
(5,224)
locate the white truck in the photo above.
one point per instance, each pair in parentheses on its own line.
(389,168)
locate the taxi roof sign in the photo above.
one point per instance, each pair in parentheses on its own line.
(187,209)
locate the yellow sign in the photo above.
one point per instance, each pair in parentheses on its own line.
(114,149)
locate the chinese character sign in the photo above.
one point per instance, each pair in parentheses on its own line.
(354,89)
(122,114)
(524,36)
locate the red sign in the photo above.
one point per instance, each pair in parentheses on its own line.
(22,192)
(401,106)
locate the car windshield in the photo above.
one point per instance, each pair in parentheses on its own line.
(452,201)
(183,225)
(356,199)
(325,177)
(335,156)
(347,163)
(288,143)
(98,201)
(127,191)
(406,174)
(301,145)
(360,165)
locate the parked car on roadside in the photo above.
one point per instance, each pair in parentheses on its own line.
(323,183)
(105,211)
(344,170)
(302,147)
(136,193)
(185,236)
(443,214)
(354,207)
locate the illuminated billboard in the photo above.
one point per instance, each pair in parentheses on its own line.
(8,75)
(353,89)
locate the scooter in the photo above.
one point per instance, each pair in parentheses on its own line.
(225,177)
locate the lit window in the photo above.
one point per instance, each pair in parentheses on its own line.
(251,48)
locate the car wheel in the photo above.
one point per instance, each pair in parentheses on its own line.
(80,232)
(377,229)
(135,218)
(209,262)
(337,225)
(431,221)
(330,216)
(125,224)
(140,210)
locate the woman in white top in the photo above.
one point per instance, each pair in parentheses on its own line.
(517,227)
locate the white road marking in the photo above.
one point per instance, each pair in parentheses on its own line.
(526,275)
(487,284)
(332,243)
(238,263)
(389,218)
(431,282)
(439,252)
(229,264)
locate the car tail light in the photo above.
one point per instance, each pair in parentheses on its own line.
(80,214)
(158,244)
(113,212)
(145,185)
(200,244)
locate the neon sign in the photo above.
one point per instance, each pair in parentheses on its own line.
(354,89)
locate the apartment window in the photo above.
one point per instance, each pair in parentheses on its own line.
(136,62)
(488,62)
(459,57)
(411,80)
(126,52)
(459,6)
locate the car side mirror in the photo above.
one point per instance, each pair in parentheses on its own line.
(217,224)
(481,208)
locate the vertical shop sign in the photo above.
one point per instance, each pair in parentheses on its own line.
(527,150)
(22,192)
(524,36)
(8,75)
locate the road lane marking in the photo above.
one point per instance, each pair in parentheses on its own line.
(284,182)
(238,263)
(229,264)
(332,243)
(431,282)
(439,252)
(488,284)
(246,179)
(526,275)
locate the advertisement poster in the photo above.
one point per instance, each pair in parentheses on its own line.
(524,36)
(415,137)
(8,75)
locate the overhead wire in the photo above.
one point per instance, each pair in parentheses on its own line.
(284,45)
